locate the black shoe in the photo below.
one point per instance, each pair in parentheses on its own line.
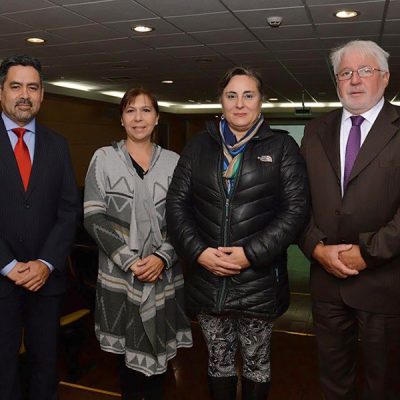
(254,390)
(222,388)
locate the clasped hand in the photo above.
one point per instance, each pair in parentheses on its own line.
(224,261)
(31,275)
(148,269)
(342,260)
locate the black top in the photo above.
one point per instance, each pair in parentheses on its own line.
(140,171)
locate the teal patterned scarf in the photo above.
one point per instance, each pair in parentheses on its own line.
(233,150)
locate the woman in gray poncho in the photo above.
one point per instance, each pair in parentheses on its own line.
(139,311)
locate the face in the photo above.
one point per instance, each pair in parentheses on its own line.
(241,104)
(139,119)
(21,94)
(359,95)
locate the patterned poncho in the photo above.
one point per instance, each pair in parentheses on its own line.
(125,215)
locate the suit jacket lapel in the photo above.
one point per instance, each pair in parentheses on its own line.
(330,138)
(37,160)
(380,134)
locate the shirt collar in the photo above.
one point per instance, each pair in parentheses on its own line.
(10,124)
(369,115)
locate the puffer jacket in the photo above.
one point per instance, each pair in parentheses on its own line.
(264,213)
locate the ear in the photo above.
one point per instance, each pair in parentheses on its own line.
(122,122)
(157,120)
(41,94)
(386,77)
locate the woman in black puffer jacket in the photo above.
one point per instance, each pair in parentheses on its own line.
(237,199)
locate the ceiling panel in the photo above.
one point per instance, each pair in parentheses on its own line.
(235,48)
(9,27)
(345,29)
(86,33)
(69,2)
(346,4)
(111,11)
(392,27)
(56,17)
(160,27)
(182,7)
(238,5)
(223,36)
(15,5)
(196,41)
(18,43)
(294,44)
(284,32)
(393,10)
(368,12)
(258,18)
(174,40)
(205,22)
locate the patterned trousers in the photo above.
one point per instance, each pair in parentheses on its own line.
(223,334)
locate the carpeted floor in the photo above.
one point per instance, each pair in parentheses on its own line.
(294,369)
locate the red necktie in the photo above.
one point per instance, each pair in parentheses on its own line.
(22,156)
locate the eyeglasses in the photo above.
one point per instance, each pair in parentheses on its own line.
(363,72)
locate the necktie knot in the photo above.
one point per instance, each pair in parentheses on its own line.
(357,120)
(20,132)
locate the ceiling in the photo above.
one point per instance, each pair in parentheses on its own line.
(195,42)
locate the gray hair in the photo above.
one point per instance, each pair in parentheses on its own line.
(366,48)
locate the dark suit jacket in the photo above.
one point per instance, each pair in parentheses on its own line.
(367,215)
(41,222)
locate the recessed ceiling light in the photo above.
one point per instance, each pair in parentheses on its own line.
(114,93)
(273,99)
(35,40)
(167,81)
(142,28)
(73,85)
(343,14)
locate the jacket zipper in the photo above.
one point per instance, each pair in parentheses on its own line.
(277,275)
(223,290)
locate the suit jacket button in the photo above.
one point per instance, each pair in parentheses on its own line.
(27,206)
(337,212)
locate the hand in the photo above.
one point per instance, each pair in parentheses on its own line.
(328,257)
(19,271)
(353,258)
(213,260)
(36,277)
(235,255)
(148,269)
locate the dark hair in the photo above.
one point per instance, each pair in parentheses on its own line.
(251,73)
(24,60)
(131,94)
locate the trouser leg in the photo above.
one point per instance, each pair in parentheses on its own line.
(380,343)
(10,341)
(220,333)
(137,386)
(336,330)
(154,387)
(42,321)
(255,344)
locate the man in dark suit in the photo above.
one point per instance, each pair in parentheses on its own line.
(353,237)
(39,208)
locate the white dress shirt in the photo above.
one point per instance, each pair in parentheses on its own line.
(345,126)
